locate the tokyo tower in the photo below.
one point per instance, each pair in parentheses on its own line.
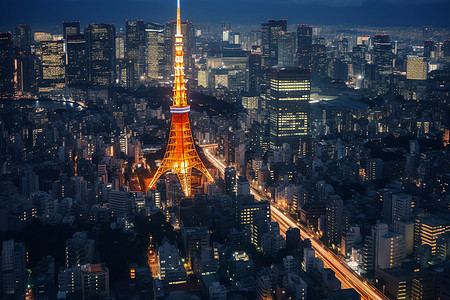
(181,155)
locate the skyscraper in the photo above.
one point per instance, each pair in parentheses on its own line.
(134,46)
(428,48)
(76,52)
(23,35)
(70,28)
(286,50)
(304,45)
(416,68)
(254,73)
(101,52)
(231,182)
(154,51)
(53,66)
(13,269)
(270,35)
(6,64)
(382,49)
(288,99)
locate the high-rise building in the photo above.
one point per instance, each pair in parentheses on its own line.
(45,279)
(319,65)
(119,202)
(53,66)
(77,63)
(231,182)
(254,73)
(6,64)
(446,48)
(288,99)
(94,281)
(270,35)
(427,230)
(135,46)
(374,169)
(416,68)
(101,53)
(429,48)
(23,36)
(154,52)
(334,220)
(13,269)
(170,267)
(304,45)
(253,215)
(382,50)
(287,56)
(70,28)
(293,238)
(79,250)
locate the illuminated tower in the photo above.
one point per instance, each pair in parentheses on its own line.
(181,155)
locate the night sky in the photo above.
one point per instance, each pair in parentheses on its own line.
(349,12)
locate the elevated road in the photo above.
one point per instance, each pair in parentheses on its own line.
(348,277)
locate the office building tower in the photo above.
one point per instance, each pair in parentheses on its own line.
(382,51)
(319,63)
(154,51)
(135,47)
(77,63)
(402,207)
(427,32)
(254,73)
(170,267)
(79,250)
(416,68)
(231,182)
(391,250)
(13,270)
(374,169)
(334,221)
(120,46)
(270,36)
(241,266)
(254,216)
(101,51)
(287,56)
(187,30)
(359,59)
(119,203)
(429,49)
(293,238)
(6,65)
(304,45)
(94,281)
(70,28)
(427,229)
(53,66)
(250,101)
(288,99)
(23,36)
(446,48)
(45,279)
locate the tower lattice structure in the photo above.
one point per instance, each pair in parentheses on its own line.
(181,155)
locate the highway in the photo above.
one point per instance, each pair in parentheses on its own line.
(348,277)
